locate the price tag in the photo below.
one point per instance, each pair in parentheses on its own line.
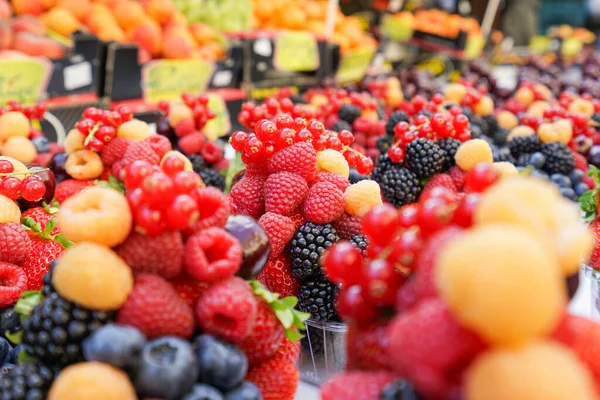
(353,66)
(78,75)
(263,47)
(506,76)
(296,52)
(395,29)
(24,79)
(221,124)
(168,79)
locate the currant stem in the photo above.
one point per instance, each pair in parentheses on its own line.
(24,172)
(92,135)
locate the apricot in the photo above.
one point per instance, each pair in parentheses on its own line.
(79,8)
(148,36)
(128,14)
(160,11)
(111,33)
(29,7)
(62,21)
(177,44)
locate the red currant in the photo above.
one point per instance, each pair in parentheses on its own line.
(365,166)
(408,215)
(352,304)
(106,133)
(136,172)
(135,198)
(381,223)
(158,188)
(346,137)
(6,167)
(11,186)
(286,138)
(380,281)
(85,126)
(342,263)
(182,213)
(463,215)
(254,146)
(434,214)
(186,181)
(95,145)
(396,154)
(238,140)
(172,165)
(149,221)
(32,188)
(265,130)
(480,178)
(303,135)
(317,128)
(352,158)
(406,249)
(334,143)
(126,113)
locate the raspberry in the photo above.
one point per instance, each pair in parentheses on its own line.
(154,307)
(15,244)
(256,169)
(324,203)
(348,226)
(473,152)
(228,309)
(284,192)
(92,276)
(91,381)
(582,336)
(338,180)
(277,276)
(458,176)
(298,218)
(248,196)
(140,150)
(84,164)
(192,143)
(357,385)
(114,150)
(160,144)
(212,254)
(266,337)
(300,158)
(134,129)
(428,360)
(439,180)
(580,161)
(161,254)
(277,379)
(70,187)
(367,347)
(333,161)
(214,209)
(188,290)
(9,211)
(212,152)
(361,197)
(13,282)
(279,230)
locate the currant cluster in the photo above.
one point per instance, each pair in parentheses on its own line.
(272,107)
(17,184)
(419,105)
(34,112)
(100,126)
(200,112)
(162,197)
(329,102)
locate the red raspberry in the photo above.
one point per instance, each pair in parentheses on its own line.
(248,196)
(277,378)
(117,169)
(458,176)
(582,336)
(155,309)
(298,218)
(367,347)
(191,144)
(140,150)
(15,244)
(338,180)
(439,180)
(214,208)
(279,230)
(277,276)
(284,192)
(348,226)
(41,216)
(188,289)
(228,309)
(211,152)
(266,337)
(221,165)
(358,385)
(324,203)
(70,187)
(160,144)
(161,254)
(300,158)
(212,255)
(13,282)
(256,169)
(580,161)
(115,150)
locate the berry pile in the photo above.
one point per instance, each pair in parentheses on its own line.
(18,182)
(99,127)
(271,108)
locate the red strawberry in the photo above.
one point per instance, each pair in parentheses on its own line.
(248,196)
(338,180)
(70,187)
(288,350)
(41,215)
(279,230)
(13,282)
(367,347)
(140,150)
(43,252)
(284,192)
(594,260)
(161,254)
(300,158)
(580,161)
(15,244)
(276,378)
(439,180)
(589,181)
(189,290)
(324,203)
(458,176)
(348,226)
(265,338)
(115,150)
(160,144)
(228,309)
(154,307)
(277,276)
(192,143)
(356,386)
(214,209)
(212,255)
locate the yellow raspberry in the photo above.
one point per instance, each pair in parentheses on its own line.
(9,211)
(539,371)
(134,130)
(92,381)
(521,130)
(93,276)
(333,161)
(473,152)
(20,148)
(13,123)
(505,169)
(361,197)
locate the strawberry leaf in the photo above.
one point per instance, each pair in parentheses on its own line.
(50,226)
(51,208)
(111,183)
(286,317)
(26,358)
(589,200)
(31,225)
(527,170)
(14,338)
(63,241)
(293,335)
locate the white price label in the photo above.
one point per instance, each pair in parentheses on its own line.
(222,78)
(263,47)
(78,75)
(506,76)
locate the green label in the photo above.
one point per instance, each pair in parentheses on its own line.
(168,79)
(23,80)
(296,52)
(354,66)
(221,124)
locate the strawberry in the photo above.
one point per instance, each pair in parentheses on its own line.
(300,158)
(277,379)
(279,230)
(284,192)
(265,338)
(357,385)
(594,260)
(189,290)
(277,276)
(161,254)
(248,197)
(15,244)
(367,347)
(41,215)
(70,187)
(154,307)
(290,350)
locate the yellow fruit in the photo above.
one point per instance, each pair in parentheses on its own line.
(564,129)
(13,123)
(537,108)
(99,215)
(539,371)
(84,164)
(582,106)
(505,169)
(361,197)
(187,164)
(20,148)
(573,244)
(18,167)
(525,95)
(73,141)
(487,278)
(455,92)
(521,130)
(9,211)
(507,120)
(179,113)
(547,133)
(92,381)
(543,89)
(93,276)
(134,130)
(473,152)
(484,107)
(333,161)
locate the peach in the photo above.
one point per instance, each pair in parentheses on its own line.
(160,10)
(148,36)
(525,95)
(52,48)
(111,33)
(5,10)
(6,36)
(582,106)
(79,8)
(29,7)
(27,23)
(128,13)
(62,21)
(203,33)
(177,43)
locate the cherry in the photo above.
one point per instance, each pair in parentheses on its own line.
(380,281)
(182,213)
(353,304)
(381,223)
(480,178)
(343,263)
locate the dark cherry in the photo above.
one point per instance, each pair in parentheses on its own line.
(57,166)
(254,241)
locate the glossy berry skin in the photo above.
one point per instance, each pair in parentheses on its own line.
(117,345)
(381,224)
(480,178)
(463,215)
(353,304)
(342,263)
(220,364)
(434,215)
(254,242)
(406,249)
(380,282)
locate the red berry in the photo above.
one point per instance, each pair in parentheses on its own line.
(32,189)
(365,166)
(352,304)
(334,143)
(380,281)
(172,165)
(211,152)
(381,224)
(11,187)
(85,126)
(126,113)
(254,146)
(463,215)
(185,182)
(149,221)
(303,135)
(238,140)
(346,137)
(434,214)
(480,178)
(396,154)
(343,262)
(136,172)
(159,190)
(182,213)
(6,167)
(265,130)
(406,249)
(408,215)
(92,113)
(106,133)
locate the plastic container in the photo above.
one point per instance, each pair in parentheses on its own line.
(594,277)
(322,351)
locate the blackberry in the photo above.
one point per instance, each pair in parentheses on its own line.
(307,248)
(349,113)
(400,186)
(524,144)
(26,382)
(361,242)
(500,136)
(198,162)
(476,131)
(399,390)
(395,117)
(340,126)
(450,146)
(503,154)
(383,144)
(558,158)
(424,158)
(54,330)
(489,124)
(48,288)
(317,297)
(212,177)
(382,164)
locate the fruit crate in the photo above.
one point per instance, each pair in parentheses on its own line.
(322,351)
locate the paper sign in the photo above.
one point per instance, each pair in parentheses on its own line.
(221,124)
(296,52)
(353,66)
(23,80)
(394,28)
(507,76)
(78,75)
(168,79)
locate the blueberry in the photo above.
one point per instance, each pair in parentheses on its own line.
(5,351)
(561,180)
(42,144)
(537,159)
(246,391)
(568,193)
(204,392)
(536,173)
(168,369)
(9,320)
(576,176)
(220,364)
(580,188)
(117,345)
